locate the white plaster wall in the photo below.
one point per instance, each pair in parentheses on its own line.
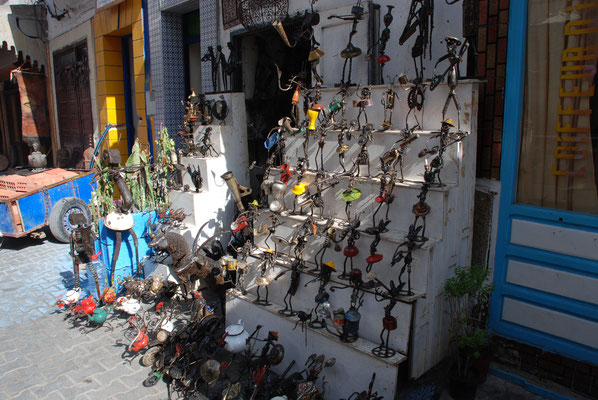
(80,11)
(75,35)
(448,21)
(35,48)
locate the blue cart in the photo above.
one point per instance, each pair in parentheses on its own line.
(51,205)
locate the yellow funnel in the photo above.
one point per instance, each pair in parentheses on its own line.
(313,116)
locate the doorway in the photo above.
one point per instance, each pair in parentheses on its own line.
(260,52)
(73,105)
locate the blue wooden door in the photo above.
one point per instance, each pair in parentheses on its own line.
(546,266)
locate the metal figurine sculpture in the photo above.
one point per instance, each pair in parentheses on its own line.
(82,246)
(350,249)
(383,58)
(351,51)
(296,83)
(300,188)
(365,100)
(263,280)
(299,239)
(388,101)
(363,158)
(452,73)
(350,331)
(207,149)
(315,199)
(376,231)
(121,219)
(213,60)
(389,323)
(349,196)
(230,66)
(420,18)
(393,158)
(344,134)
(417,230)
(292,290)
(322,296)
(330,237)
(221,64)
(196,177)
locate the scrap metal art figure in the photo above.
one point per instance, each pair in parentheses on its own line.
(292,290)
(451,73)
(322,296)
(416,237)
(365,100)
(351,51)
(207,149)
(389,323)
(350,251)
(420,18)
(388,101)
(363,158)
(210,57)
(344,134)
(383,58)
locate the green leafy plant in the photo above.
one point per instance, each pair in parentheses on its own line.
(468,294)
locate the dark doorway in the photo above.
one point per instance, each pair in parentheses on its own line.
(73,105)
(128,79)
(265,103)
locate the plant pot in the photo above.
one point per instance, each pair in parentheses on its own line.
(481,365)
(463,387)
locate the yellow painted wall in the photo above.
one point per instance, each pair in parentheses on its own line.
(109,26)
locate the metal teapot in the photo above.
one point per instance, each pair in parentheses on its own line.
(236,337)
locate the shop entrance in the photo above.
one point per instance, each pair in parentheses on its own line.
(260,52)
(546,270)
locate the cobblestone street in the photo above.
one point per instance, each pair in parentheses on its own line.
(42,356)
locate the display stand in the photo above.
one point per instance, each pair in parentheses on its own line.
(421,335)
(229,138)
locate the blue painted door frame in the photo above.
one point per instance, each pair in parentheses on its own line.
(509,210)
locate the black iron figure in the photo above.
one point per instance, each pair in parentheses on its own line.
(451,73)
(350,251)
(420,18)
(389,323)
(365,101)
(292,290)
(322,296)
(207,149)
(383,58)
(350,327)
(363,158)
(213,60)
(329,239)
(263,280)
(376,231)
(344,134)
(351,51)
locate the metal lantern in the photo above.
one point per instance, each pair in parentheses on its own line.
(257,14)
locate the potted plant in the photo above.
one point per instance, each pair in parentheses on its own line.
(468,295)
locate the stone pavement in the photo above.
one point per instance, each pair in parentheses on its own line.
(42,356)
